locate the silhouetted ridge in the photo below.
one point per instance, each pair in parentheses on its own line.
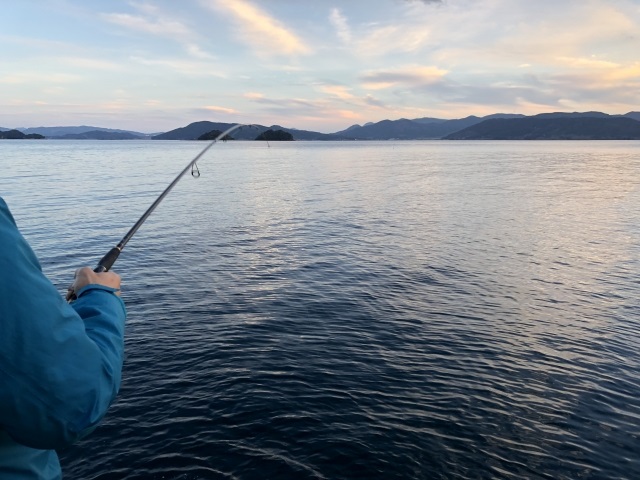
(552,127)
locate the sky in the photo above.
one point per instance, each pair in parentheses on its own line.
(155,65)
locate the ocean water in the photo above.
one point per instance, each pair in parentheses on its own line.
(355,310)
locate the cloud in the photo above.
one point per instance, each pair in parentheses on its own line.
(264,34)
(152,21)
(345,96)
(281,103)
(158,26)
(339,22)
(578,62)
(623,84)
(499,95)
(392,38)
(575,89)
(40,78)
(148,8)
(210,110)
(214,108)
(374,102)
(606,71)
(89,63)
(181,66)
(197,52)
(38,43)
(338,91)
(406,76)
(576,29)
(318,111)
(630,72)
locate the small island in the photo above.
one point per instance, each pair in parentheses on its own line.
(18,135)
(276,136)
(213,134)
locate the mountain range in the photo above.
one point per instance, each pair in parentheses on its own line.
(552,128)
(249,132)
(83,132)
(499,126)
(494,127)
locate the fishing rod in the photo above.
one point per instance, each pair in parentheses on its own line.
(112,255)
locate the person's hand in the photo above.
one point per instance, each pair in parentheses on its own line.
(85,276)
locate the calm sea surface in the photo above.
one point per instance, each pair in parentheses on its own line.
(355,310)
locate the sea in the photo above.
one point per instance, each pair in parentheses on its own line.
(355,310)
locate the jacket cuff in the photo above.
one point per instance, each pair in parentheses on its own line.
(95,286)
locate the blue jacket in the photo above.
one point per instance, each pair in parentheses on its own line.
(60,364)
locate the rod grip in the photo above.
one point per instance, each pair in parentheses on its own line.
(108,260)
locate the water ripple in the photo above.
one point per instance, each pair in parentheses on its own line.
(358,310)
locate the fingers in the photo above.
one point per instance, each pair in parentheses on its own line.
(86,276)
(71,294)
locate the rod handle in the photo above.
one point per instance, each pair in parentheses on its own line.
(108,260)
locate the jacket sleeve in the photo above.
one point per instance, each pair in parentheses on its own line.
(60,365)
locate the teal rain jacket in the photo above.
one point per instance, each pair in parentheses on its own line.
(60,364)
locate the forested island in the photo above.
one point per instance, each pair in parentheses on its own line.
(213,134)
(275,136)
(18,135)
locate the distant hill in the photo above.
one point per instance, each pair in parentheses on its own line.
(194,130)
(402,129)
(307,134)
(59,132)
(571,115)
(418,129)
(18,135)
(558,126)
(352,127)
(99,135)
(428,120)
(632,115)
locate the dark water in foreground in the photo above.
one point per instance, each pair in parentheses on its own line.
(413,310)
